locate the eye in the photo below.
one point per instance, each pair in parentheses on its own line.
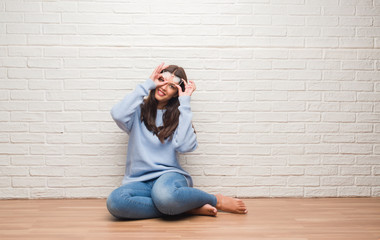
(161,79)
(172,86)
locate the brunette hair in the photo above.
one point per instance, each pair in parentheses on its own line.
(171,115)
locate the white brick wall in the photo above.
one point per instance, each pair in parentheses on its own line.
(288,99)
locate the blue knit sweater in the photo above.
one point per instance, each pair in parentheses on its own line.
(147,157)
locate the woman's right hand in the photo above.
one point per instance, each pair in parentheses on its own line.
(156,75)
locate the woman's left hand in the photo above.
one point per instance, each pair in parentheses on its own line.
(189,88)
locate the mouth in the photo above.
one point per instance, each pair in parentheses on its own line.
(160,93)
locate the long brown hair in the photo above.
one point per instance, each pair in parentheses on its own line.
(171,115)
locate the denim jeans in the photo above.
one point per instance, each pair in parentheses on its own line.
(167,195)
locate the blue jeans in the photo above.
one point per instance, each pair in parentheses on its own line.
(167,195)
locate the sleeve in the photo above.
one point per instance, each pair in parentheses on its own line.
(123,112)
(184,138)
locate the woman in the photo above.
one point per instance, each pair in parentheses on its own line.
(154,184)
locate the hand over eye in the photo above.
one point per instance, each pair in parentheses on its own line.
(156,76)
(189,88)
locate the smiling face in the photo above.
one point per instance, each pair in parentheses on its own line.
(164,93)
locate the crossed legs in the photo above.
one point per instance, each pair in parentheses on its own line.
(167,195)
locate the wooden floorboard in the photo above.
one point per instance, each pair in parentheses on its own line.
(268,218)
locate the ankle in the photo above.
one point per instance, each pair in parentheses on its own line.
(218,200)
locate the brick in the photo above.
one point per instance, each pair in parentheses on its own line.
(303,139)
(287,192)
(368,160)
(287,171)
(24,73)
(12,193)
(27,95)
(321,171)
(46,128)
(356,128)
(338,139)
(287,150)
(304,117)
(5,182)
(322,149)
(14,171)
(326,21)
(59,6)
(11,17)
(63,139)
(289,128)
(270,139)
(254,171)
(62,95)
(237,181)
(44,63)
(270,161)
(367,181)
(354,191)
(368,117)
(352,171)
(338,117)
(322,42)
(29,182)
(60,52)
(16,6)
(270,31)
(337,181)
(234,138)
(65,182)
(23,28)
(303,32)
(355,148)
(320,192)
(63,117)
(45,106)
(288,20)
(5,160)
(27,117)
(254,150)
(39,149)
(272,181)
(28,160)
(47,193)
(253,191)
(27,138)
(303,181)
(356,43)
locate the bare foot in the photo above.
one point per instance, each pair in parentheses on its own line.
(229,204)
(206,209)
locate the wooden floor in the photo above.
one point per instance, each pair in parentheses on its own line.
(278,218)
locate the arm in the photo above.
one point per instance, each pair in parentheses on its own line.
(184,138)
(123,112)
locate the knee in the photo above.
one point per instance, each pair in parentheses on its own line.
(115,202)
(166,202)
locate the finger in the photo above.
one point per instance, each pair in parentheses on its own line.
(184,82)
(179,89)
(161,67)
(171,77)
(193,84)
(165,67)
(161,84)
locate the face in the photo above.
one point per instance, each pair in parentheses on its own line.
(164,93)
